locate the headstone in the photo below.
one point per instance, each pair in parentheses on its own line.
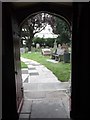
(47,46)
(66,48)
(59,45)
(26,50)
(60,50)
(46,51)
(55,45)
(22,50)
(37,45)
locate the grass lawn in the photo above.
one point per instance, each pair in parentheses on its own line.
(23,65)
(61,70)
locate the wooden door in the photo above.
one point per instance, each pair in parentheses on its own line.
(17,64)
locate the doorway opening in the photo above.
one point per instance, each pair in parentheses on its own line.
(12,71)
(46,65)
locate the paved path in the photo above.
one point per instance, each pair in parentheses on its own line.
(45,96)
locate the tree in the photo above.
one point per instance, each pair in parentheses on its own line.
(35,25)
(41,41)
(50,42)
(44,41)
(38,22)
(62,29)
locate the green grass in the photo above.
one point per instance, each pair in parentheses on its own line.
(23,65)
(61,70)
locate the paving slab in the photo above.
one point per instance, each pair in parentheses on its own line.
(25,77)
(29,86)
(66,104)
(32,71)
(24,59)
(48,109)
(26,109)
(34,79)
(56,94)
(45,96)
(45,86)
(52,61)
(27,63)
(24,116)
(32,68)
(24,71)
(34,95)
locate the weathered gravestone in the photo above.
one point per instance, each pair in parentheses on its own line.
(37,45)
(22,50)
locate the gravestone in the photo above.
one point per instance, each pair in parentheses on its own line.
(26,49)
(46,51)
(55,45)
(59,45)
(37,45)
(22,50)
(54,48)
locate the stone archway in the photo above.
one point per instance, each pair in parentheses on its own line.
(48,12)
(37,96)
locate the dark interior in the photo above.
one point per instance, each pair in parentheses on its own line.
(77,15)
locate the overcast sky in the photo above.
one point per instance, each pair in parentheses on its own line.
(46,33)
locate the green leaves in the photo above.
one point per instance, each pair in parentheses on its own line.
(62,29)
(44,42)
(38,22)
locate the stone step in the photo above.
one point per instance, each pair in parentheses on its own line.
(45,86)
(31,95)
(50,108)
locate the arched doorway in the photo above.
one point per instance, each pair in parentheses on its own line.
(16,15)
(79,75)
(54,14)
(40,91)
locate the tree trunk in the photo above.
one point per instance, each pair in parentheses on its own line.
(21,45)
(30,42)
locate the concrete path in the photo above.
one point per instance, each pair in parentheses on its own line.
(45,96)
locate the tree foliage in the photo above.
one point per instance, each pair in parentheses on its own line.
(43,41)
(38,22)
(35,25)
(63,31)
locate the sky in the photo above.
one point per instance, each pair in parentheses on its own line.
(46,33)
